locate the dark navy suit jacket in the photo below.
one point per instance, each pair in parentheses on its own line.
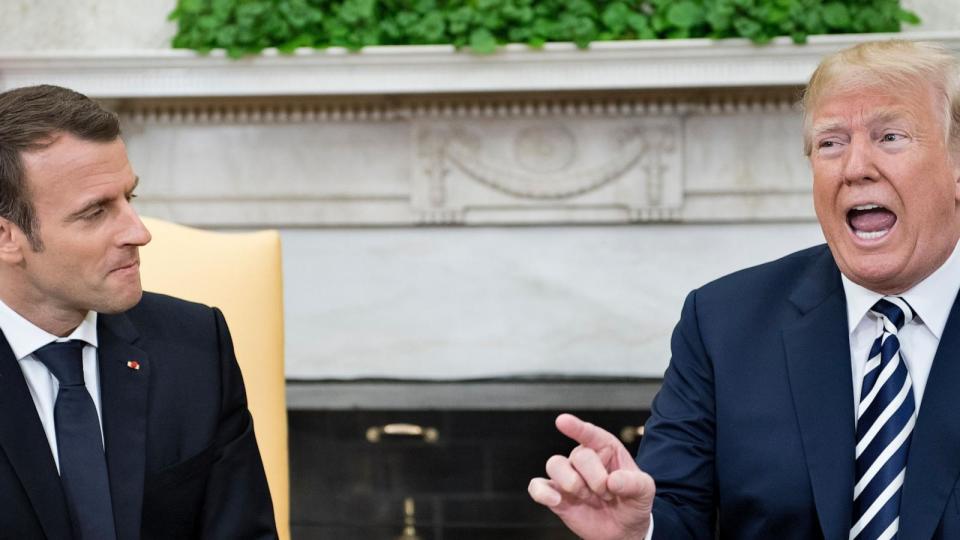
(180,447)
(752,435)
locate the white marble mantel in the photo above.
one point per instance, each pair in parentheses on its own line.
(449,216)
(429,69)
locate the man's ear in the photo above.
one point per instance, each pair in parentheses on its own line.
(955,169)
(12,241)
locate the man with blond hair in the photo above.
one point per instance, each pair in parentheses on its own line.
(812,397)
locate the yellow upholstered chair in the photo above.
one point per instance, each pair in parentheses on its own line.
(239,273)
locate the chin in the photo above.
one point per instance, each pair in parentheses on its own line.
(121,302)
(873,272)
(886,283)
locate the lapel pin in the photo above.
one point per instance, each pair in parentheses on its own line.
(133,364)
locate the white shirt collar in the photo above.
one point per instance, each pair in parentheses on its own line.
(932,298)
(25,337)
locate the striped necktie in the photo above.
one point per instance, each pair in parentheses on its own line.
(885,418)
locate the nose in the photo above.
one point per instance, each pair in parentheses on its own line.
(858,163)
(135,233)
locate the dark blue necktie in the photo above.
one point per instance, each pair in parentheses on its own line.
(885,420)
(83,466)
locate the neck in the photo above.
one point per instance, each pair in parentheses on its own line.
(59,322)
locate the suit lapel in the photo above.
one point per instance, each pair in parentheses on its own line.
(124,377)
(25,444)
(933,465)
(818,365)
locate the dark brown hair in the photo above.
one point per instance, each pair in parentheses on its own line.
(31,118)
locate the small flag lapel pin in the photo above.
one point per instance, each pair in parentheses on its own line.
(133,364)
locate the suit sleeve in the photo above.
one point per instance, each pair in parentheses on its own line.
(677,448)
(237,503)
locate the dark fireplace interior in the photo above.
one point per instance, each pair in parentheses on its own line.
(468,484)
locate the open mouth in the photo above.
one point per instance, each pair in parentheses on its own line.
(870,221)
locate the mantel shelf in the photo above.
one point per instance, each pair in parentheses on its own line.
(431,69)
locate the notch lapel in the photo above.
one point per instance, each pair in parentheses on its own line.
(817,350)
(124,378)
(25,444)
(933,465)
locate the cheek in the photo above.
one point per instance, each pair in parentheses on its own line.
(824,198)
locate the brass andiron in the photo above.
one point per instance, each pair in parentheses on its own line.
(409,521)
(429,434)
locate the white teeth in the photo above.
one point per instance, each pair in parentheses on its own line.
(867,206)
(871,235)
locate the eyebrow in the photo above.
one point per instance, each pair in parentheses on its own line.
(881,115)
(100,201)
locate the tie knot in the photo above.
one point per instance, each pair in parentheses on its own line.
(64,359)
(894,309)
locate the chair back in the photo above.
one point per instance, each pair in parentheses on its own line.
(239,273)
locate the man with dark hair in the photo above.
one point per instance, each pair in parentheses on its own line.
(813,396)
(122,413)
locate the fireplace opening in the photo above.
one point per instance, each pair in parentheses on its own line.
(429,474)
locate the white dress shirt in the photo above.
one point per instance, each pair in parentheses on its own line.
(24,338)
(931,300)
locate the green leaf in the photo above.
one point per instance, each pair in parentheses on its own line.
(482,41)
(192,6)
(222,8)
(748,28)
(615,17)
(836,15)
(658,22)
(303,40)
(813,21)
(720,22)
(236,52)
(908,16)
(430,29)
(252,9)
(584,31)
(685,14)
(425,6)
(226,36)
(460,19)
(640,26)
(208,23)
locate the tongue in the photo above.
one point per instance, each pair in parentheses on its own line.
(874,220)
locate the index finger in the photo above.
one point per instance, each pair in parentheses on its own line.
(585,433)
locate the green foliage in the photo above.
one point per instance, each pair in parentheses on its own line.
(248,26)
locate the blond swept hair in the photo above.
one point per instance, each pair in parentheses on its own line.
(894,63)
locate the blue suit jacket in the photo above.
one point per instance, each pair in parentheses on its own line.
(752,435)
(181,452)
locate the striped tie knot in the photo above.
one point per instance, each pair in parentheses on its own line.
(894,309)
